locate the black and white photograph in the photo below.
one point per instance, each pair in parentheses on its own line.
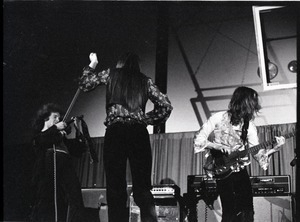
(150,111)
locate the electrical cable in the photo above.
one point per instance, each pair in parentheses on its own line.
(55,187)
(205,213)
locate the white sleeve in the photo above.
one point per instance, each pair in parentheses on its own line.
(252,135)
(201,136)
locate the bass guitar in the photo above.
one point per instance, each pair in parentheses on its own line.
(219,165)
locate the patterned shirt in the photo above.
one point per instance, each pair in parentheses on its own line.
(162,105)
(224,133)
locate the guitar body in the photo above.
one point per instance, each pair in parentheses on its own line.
(220,166)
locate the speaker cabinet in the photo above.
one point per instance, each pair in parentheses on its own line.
(267,208)
(96,198)
(274,208)
(206,214)
(167,209)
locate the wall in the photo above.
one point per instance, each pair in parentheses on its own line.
(46,44)
(45,53)
(219,49)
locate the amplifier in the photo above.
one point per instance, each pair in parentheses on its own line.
(166,199)
(267,209)
(167,209)
(261,185)
(165,189)
(271,185)
(200,184)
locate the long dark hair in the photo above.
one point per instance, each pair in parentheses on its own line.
(127,85)
(243,106)
(43,114)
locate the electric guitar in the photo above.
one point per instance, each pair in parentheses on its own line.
(219,165)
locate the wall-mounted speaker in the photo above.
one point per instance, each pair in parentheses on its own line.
(268,208)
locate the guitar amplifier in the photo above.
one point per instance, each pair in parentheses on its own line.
(261,185)
(201,183)
(165,189)
(271,185)
(167,206)
(167,210)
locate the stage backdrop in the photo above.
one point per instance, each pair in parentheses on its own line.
(174,159)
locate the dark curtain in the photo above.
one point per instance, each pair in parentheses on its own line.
(174,159)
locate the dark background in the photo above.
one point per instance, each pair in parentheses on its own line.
(45,45)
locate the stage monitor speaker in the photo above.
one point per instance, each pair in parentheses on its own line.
(268,208)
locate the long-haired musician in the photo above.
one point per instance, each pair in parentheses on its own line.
(55,183)
(126,137)
(233,131)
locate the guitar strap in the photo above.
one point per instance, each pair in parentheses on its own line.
(244,137)
(245,131)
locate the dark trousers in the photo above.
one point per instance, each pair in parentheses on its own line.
(68,191)
(128,141)
(236,197)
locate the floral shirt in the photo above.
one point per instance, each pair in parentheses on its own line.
(162,105)
(224,133)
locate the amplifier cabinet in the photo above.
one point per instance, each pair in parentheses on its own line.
(201,183)
(268,208)
(167,209)
(96,198)
(271,185)
(273,208)
(261,185)
(205,214)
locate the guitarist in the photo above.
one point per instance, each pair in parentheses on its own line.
(233,130)
(55,190)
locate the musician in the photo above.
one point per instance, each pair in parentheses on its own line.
(234,130)
(51,203)
(126,137)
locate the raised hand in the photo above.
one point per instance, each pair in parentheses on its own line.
(93,59)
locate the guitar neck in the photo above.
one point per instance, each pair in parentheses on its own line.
(262,145)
